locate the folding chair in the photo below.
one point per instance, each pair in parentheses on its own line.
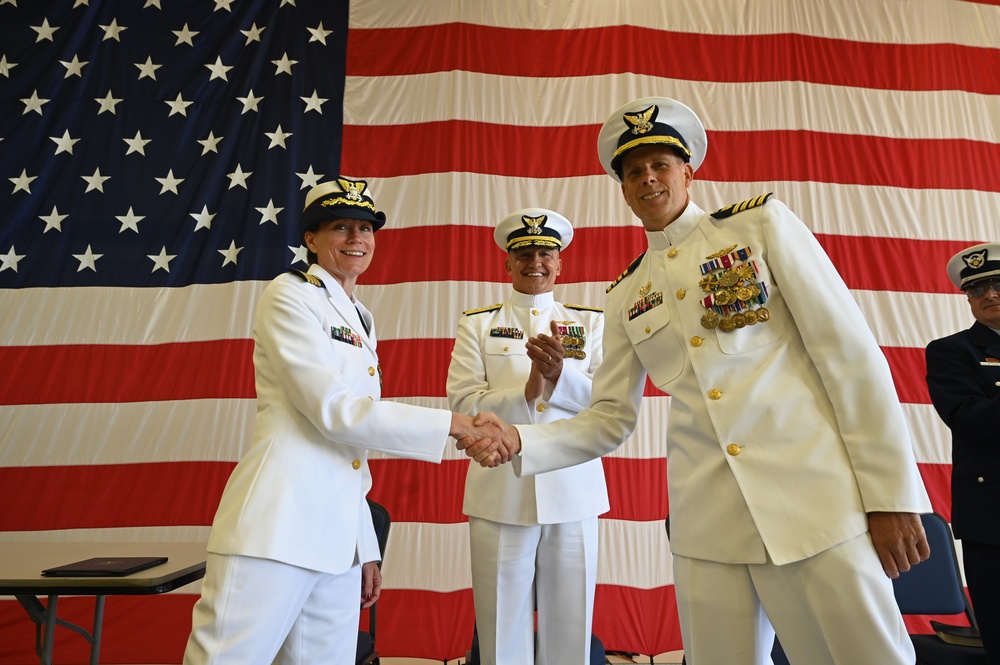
(934,587)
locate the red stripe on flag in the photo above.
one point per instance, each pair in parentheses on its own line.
(401,486)
(722,58)
(909,372)
(124,495)
(937,481)
(508,150)
(874,264)
(425,624)
(41,498)
(411,368)
(127,373)
(861,260)
(643,620)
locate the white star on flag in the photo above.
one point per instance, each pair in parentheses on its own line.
(136,144)
(10,260)
(95,181)
(64,143)
(314,103)
(130,221)
(203,218)
(74,67)
(230,254)
(277,138)
(218,70)
(162,260)
(34,103)
(107,104)
(211,144)
(269,213)
(87,260)
(284,65)
(238,178)
(53,220)
(169,183)
(112,31)
(147,69)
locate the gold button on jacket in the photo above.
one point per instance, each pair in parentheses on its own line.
(356,464)
(371,371)
(733,449)
(715,393)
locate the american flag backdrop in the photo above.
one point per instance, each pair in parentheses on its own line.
(154,155)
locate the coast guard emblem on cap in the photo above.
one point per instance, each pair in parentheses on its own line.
(534,224)
(642,121)
(353,189)
(976,259)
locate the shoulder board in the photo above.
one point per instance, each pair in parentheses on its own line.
(584,308)
(307,277)
(628,271)
(480,310)
(734,208)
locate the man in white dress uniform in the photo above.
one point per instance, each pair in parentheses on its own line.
(793,488)
(292,549)
(534,537)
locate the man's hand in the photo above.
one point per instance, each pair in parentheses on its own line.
(546,352)
(503,444)
(535,385)
(899,540)
(483,443)
(371,584)
(510,438)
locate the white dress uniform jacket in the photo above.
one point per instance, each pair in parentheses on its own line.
(488,372)
(781,435)
(298,495)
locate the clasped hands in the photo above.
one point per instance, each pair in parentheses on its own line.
(487,438)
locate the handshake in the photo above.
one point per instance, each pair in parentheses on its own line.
(486,438)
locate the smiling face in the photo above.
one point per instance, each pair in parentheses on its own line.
(344,248)
(533,270)
(986,308)
(655,184)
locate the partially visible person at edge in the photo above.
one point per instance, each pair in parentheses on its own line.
(292,549)
(533,541)
(963,377)
(793,487)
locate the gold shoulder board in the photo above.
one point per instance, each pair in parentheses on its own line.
(307,277)
(731,210)
(480,310)
(585,308)
(628,271)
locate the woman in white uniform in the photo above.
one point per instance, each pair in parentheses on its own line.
(292,545)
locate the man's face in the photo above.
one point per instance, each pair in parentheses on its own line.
(986,308)
(533,270)
(655,185)
(343,247)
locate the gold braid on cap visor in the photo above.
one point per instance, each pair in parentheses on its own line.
(650,140)
(543,241)
(344,201)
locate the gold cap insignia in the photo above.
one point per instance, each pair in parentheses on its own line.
(641,122)
(534,224)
